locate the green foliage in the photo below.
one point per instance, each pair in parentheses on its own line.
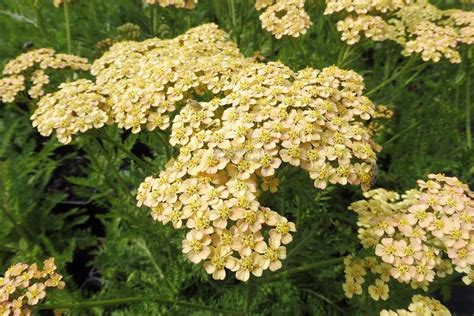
(63,200)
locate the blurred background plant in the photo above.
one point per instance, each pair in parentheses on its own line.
(77,202)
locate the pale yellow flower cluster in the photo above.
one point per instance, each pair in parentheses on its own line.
(284,17)
(355,271)
(34,63)
(422,235)
(418,26)
(420,305)
(257,117)
(77,107)
(25,285)
(261,116)
(187,4)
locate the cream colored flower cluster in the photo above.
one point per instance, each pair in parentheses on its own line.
(33,64)
(417,25)
(284,17)
(77,107)
(24,285)
(420,305)
(187,4)
(257,117)
(422,235)
(261,116)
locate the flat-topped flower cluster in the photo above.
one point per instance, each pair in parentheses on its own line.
(417,25)
(258,117)
(25,285)
(284,17)
(238,121)
(34,64)
(417,236)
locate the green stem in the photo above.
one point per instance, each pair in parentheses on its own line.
(407,65)
(39,19)
(128,300)
(111,166)
(468,100)
(142,163)
(68,26)
(248,298)
(298,47)
(142,244)
(311,266)
(153,18)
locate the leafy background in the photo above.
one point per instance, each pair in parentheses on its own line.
(76,202)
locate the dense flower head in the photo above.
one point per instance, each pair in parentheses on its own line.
(34,64)
(420,305)
(230,147)
(418,26)
(423,234)
(284,17)
(25,285)
(236,122)
(77,107)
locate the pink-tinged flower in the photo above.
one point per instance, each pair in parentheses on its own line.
(219,259)
(246,242)
(402,272)
(386,250)
(269,163)
(272,254)
(383,225)
(196,246)
(200,222)
(221,212)
(35,293)
(246,265)
(292,155)
(282,230)
(424,273)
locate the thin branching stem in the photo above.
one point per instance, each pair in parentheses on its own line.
(308,267)
(468,100)
(68,27)
(129,300)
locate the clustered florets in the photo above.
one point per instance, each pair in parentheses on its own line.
(420,305)
(261,116)
(417,25)
(423,235)
(257,117)
(284,17)
(34,64)
(24,285)
(77,107)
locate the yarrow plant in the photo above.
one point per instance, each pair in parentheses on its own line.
(35,64)
(24,286)
(259,117)
(427,232)
(243,135)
